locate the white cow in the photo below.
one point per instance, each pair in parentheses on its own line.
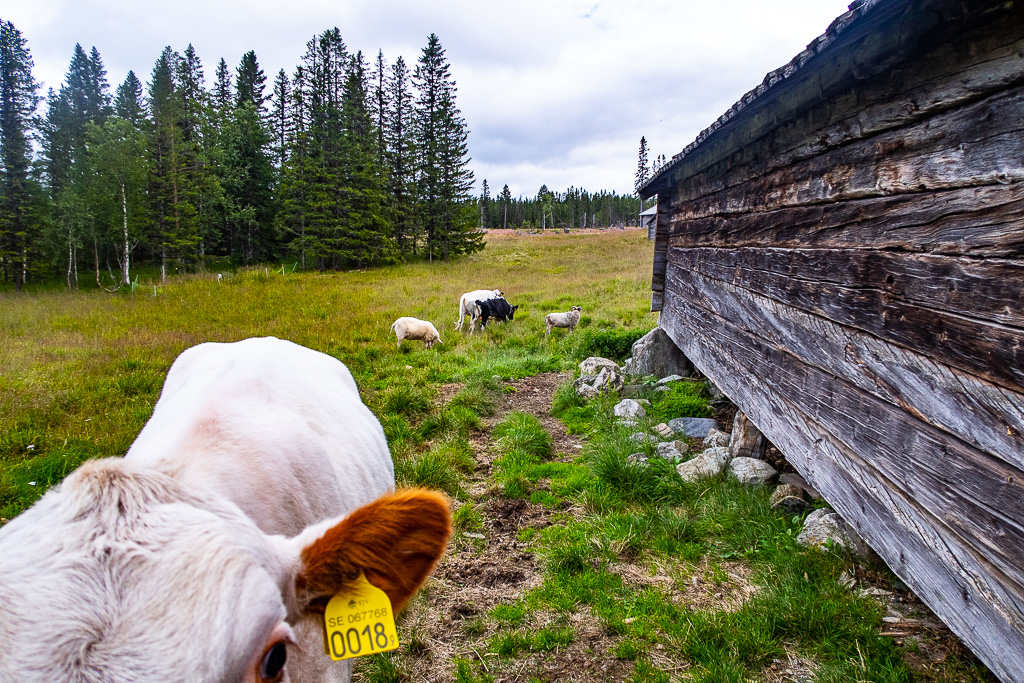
(467,306)
(260,487)
(569,319)
(414,328)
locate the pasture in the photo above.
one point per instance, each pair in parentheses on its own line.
(569,562)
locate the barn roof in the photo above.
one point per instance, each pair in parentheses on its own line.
(860,14)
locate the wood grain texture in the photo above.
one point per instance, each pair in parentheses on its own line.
(979,497)
(974,598)
(981,222)
(988,417)
(814,281)
(979,144)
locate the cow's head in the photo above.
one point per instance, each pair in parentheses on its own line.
(121,575)
(512,314)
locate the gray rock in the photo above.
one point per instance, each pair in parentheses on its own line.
(791,499)
(693,426)
(593,365)
(656,354)
(636,459)
(584,379)
(586,391)
(824,525)
(797,480)
(662,388)
(608,380)
(752,471)
(663,430)
(710,463)
(641,437)
(629,409)
(716,437)
(671,450)
(670,378)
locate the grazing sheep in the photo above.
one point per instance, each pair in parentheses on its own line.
(570,319)
(467,306)
(414,328)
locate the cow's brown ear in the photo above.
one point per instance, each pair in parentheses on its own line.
(395,541)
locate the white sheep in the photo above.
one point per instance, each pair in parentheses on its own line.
(570,319)
(414,328)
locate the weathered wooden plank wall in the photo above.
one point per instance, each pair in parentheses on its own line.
(844,257)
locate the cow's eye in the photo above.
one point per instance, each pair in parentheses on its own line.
(272,666)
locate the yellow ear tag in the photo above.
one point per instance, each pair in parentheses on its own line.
(359,622)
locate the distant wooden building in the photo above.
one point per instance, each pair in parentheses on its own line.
(649,220)
(842,252)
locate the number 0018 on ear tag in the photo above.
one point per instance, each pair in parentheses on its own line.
(359,622)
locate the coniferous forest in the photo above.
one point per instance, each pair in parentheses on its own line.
(342,163)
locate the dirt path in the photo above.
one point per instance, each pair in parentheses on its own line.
(493,567)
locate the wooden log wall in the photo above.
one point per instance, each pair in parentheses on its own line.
(845,259)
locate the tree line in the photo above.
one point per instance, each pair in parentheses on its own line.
(342,163)
(574,208)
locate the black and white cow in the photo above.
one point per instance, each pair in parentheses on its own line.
(496,308)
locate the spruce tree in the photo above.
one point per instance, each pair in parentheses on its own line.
(128,103)
(485,201)
(445,179)
(18,102)
(506,199)
(400,158)
(362,237)
(280,123)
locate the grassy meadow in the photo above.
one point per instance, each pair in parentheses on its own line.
(80,371)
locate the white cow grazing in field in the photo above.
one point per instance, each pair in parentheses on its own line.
(414,328)
(569,319)
(260,487)
(467,306)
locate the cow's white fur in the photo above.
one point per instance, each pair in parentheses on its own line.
(467,306)
(174,563)
(569,319)
(414,328)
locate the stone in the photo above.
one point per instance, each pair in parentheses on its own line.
(671,450)
(608,380)
(641,437)
(586,391)
(710,463)
(662,388)
(824,525)
(584,379)
(636,459)
(797,480)
(663,430)
(752,471)
(670,378)
(716,437)
(656,354)
(791,499)
(629,409)
(593,365)
(693,426)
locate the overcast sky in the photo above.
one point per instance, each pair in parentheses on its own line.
(553,92)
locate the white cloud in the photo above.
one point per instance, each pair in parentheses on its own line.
(554,93)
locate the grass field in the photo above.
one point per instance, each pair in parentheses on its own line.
(635,574)
(80,371)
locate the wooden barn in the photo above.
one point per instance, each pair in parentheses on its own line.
(842,253)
